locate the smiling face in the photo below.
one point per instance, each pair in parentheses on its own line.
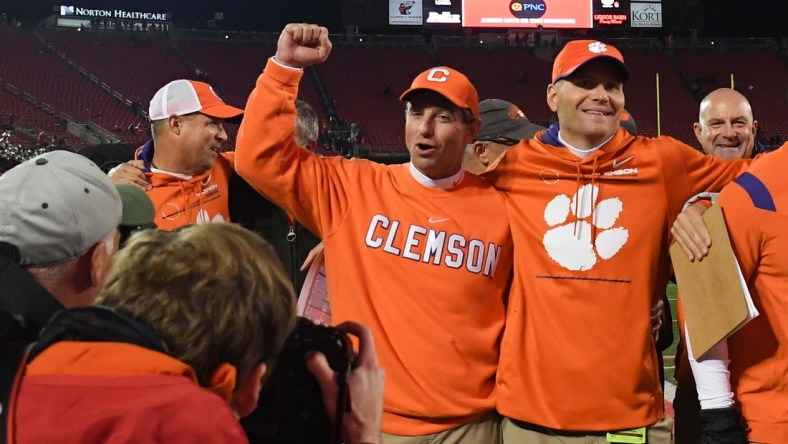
(726,128)
(201,138)
(436,133)
(588,103)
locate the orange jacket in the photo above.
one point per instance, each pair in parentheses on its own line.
(591,245)
(426,269)
(201,199)
(759,351)
(90,392)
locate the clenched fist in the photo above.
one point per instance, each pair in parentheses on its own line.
(302,44)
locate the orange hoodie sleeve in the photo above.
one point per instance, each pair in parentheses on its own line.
(314,190)
(707,173)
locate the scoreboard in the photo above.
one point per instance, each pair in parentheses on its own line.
(574,14)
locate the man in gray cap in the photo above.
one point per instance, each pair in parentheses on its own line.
(60,217)
(503,125)
(55,211)
(59,230)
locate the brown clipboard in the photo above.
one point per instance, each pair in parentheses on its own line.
(313,302)
(713,294)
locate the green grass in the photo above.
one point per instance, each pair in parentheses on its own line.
(670,352)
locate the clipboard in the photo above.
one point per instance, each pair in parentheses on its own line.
(714,295)
(313,301)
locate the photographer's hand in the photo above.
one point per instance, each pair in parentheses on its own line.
(362,424)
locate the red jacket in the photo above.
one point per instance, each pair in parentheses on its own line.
(95,392)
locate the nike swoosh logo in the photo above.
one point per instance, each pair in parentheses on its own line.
(435,221)
(618,163)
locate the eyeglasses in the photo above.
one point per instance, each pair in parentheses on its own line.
(500,140)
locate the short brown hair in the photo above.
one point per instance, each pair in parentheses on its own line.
(214,293)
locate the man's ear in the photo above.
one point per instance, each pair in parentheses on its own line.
(101,260)
(480,151)
(174,124)
(248,391)
(698,131)
(552,97)
(471,130)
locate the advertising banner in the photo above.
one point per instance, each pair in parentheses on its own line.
(527,13)
(611,14)
(646,15)
(405,12)
(443,12)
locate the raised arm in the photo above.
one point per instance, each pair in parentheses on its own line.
(310,188)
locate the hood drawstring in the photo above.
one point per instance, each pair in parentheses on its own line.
(594,200)
(186,197)
(578,198)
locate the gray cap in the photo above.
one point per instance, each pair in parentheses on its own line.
(56,206)
(138,209)
(502,119)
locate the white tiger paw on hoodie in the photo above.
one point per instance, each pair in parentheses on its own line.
(570,243)
(204,218)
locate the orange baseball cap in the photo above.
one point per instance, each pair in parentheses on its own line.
(182,97)
(579,52)
(449,83)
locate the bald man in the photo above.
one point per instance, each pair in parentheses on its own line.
(725,126)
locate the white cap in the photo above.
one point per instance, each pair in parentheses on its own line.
(181,97)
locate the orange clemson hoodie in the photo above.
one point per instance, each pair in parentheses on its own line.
(182,200)
(591,252)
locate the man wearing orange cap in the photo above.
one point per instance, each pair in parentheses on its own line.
(403,253)
(590,207)
(182,168)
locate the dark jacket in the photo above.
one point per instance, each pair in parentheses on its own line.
(291,240)
(25,307)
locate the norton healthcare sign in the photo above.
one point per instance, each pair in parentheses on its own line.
(76,11)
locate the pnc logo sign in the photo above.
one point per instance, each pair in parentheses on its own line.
(528,8)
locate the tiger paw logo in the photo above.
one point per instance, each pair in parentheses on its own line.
(204,218)
(597,47)
(578,245)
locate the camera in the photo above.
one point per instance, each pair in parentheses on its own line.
(291,408)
